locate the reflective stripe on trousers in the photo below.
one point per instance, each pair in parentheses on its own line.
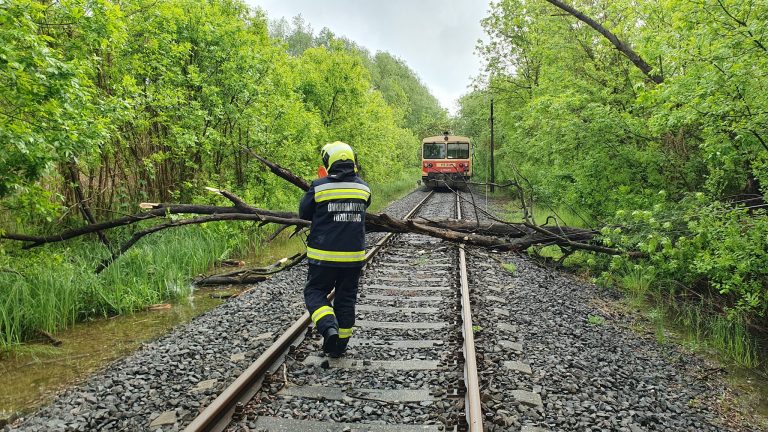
(335,256)
(321,312)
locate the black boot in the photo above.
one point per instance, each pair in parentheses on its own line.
(330,339)
(341,348)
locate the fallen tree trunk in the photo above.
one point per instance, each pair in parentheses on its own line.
(216,280)
(514,230)
(252,274)
(499,235)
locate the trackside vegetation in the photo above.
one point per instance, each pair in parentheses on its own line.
(671,160)
(105,105)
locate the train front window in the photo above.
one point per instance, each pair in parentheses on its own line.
(434,151)
(458,151)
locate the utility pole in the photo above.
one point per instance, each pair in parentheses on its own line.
(493,172)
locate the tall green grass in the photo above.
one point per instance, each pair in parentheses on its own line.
(729,336)
(384,193)
(56,286)
(636,281)
(695,321)
(543,215)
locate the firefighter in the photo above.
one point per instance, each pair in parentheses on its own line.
(336,206)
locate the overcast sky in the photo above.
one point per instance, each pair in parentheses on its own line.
(425,33)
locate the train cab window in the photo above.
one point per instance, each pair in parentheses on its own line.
(434,151)
(458,151)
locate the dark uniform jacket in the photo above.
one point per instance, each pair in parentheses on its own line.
(336,206)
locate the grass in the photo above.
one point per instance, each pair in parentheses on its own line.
(636,281)
(729,337)
(384,193)
(543,215)
(57,286)
(699,326)
(702,331)
(564,216)
(595,319)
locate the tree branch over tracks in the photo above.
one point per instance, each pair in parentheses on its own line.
(505,236)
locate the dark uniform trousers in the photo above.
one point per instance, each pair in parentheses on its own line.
(341,315)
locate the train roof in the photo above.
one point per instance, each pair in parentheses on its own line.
(441,138)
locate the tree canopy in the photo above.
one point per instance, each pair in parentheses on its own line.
(647,114)
(150,100)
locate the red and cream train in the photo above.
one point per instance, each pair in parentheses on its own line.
(446,161)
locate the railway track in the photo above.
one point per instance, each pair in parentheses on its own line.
(410,365)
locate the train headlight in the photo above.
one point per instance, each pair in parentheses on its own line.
(429,165)
(461,165)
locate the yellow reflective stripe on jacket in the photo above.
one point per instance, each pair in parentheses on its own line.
(341,185)
(341,190)
(321,312)
(342,194)
(345,333)
(337,256)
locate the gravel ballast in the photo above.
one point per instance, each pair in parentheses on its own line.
(588,376)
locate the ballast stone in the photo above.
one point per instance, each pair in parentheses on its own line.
(166,418)
(518,366)
(204,385)
(528,398)
(513,346)
(527,428)
(507,327)
(500,311)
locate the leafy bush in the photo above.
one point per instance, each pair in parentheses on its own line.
(699,245)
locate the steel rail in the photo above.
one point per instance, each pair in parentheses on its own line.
(216,416)
(472,407)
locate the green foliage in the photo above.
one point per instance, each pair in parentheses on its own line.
(150,101)
(695,243)
(510,267)
(414,106)
(595,320)
(47,109)
(671,169)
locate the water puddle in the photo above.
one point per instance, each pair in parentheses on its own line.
(35,372)
(752,388)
